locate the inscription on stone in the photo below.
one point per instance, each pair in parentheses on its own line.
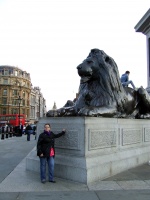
(71,140)
(101,139)
(130,136)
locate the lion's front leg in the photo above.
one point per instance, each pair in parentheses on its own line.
(64,111)
(98,111)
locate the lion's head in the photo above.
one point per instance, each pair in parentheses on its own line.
(100,81)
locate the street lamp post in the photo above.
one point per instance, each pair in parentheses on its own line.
(19,102)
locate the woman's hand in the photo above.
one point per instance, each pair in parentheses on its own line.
(41,155)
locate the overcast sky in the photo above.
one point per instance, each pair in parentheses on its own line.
(49,38)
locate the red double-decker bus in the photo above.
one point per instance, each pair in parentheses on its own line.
(12,119)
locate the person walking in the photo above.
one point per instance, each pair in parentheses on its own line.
(46,152)
(125,80)
(6,128)
(34,131)
(28,131)
(20,129)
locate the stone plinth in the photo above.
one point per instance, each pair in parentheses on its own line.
(95,148)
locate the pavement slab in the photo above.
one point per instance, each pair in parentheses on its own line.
(133,185)
(104,185)
(124,195)
(59,196)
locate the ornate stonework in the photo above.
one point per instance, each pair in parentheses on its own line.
(101,139)
(131,136)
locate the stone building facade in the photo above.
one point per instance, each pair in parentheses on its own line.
(37,104)
(143,26)
(15,83)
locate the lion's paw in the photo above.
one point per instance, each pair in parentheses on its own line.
(145,116)
(50,113)
(56,113)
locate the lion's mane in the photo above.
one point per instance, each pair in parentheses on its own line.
(106,89)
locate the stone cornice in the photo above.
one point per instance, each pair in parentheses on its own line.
(143,25)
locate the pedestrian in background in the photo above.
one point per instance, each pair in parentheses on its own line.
(28,131)
(6,128)
(20,129)
(46,152)
(34,129)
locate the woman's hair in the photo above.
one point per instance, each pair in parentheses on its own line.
(47,124)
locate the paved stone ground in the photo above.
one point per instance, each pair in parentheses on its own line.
(12,151)
(16,183)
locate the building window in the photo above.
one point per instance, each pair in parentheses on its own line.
(16,73)
(32,112)
(15,92)
(5,81)
(5,92)
(14,111)
(11,72)
(2,71)
(4,101)
(23,102)
(14,102)
(6,72)
(4,111)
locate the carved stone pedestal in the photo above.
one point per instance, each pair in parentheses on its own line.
(95,148)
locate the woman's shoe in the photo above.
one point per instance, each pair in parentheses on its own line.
(43,181)
(52,181)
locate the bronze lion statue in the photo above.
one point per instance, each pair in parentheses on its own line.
(102,94)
